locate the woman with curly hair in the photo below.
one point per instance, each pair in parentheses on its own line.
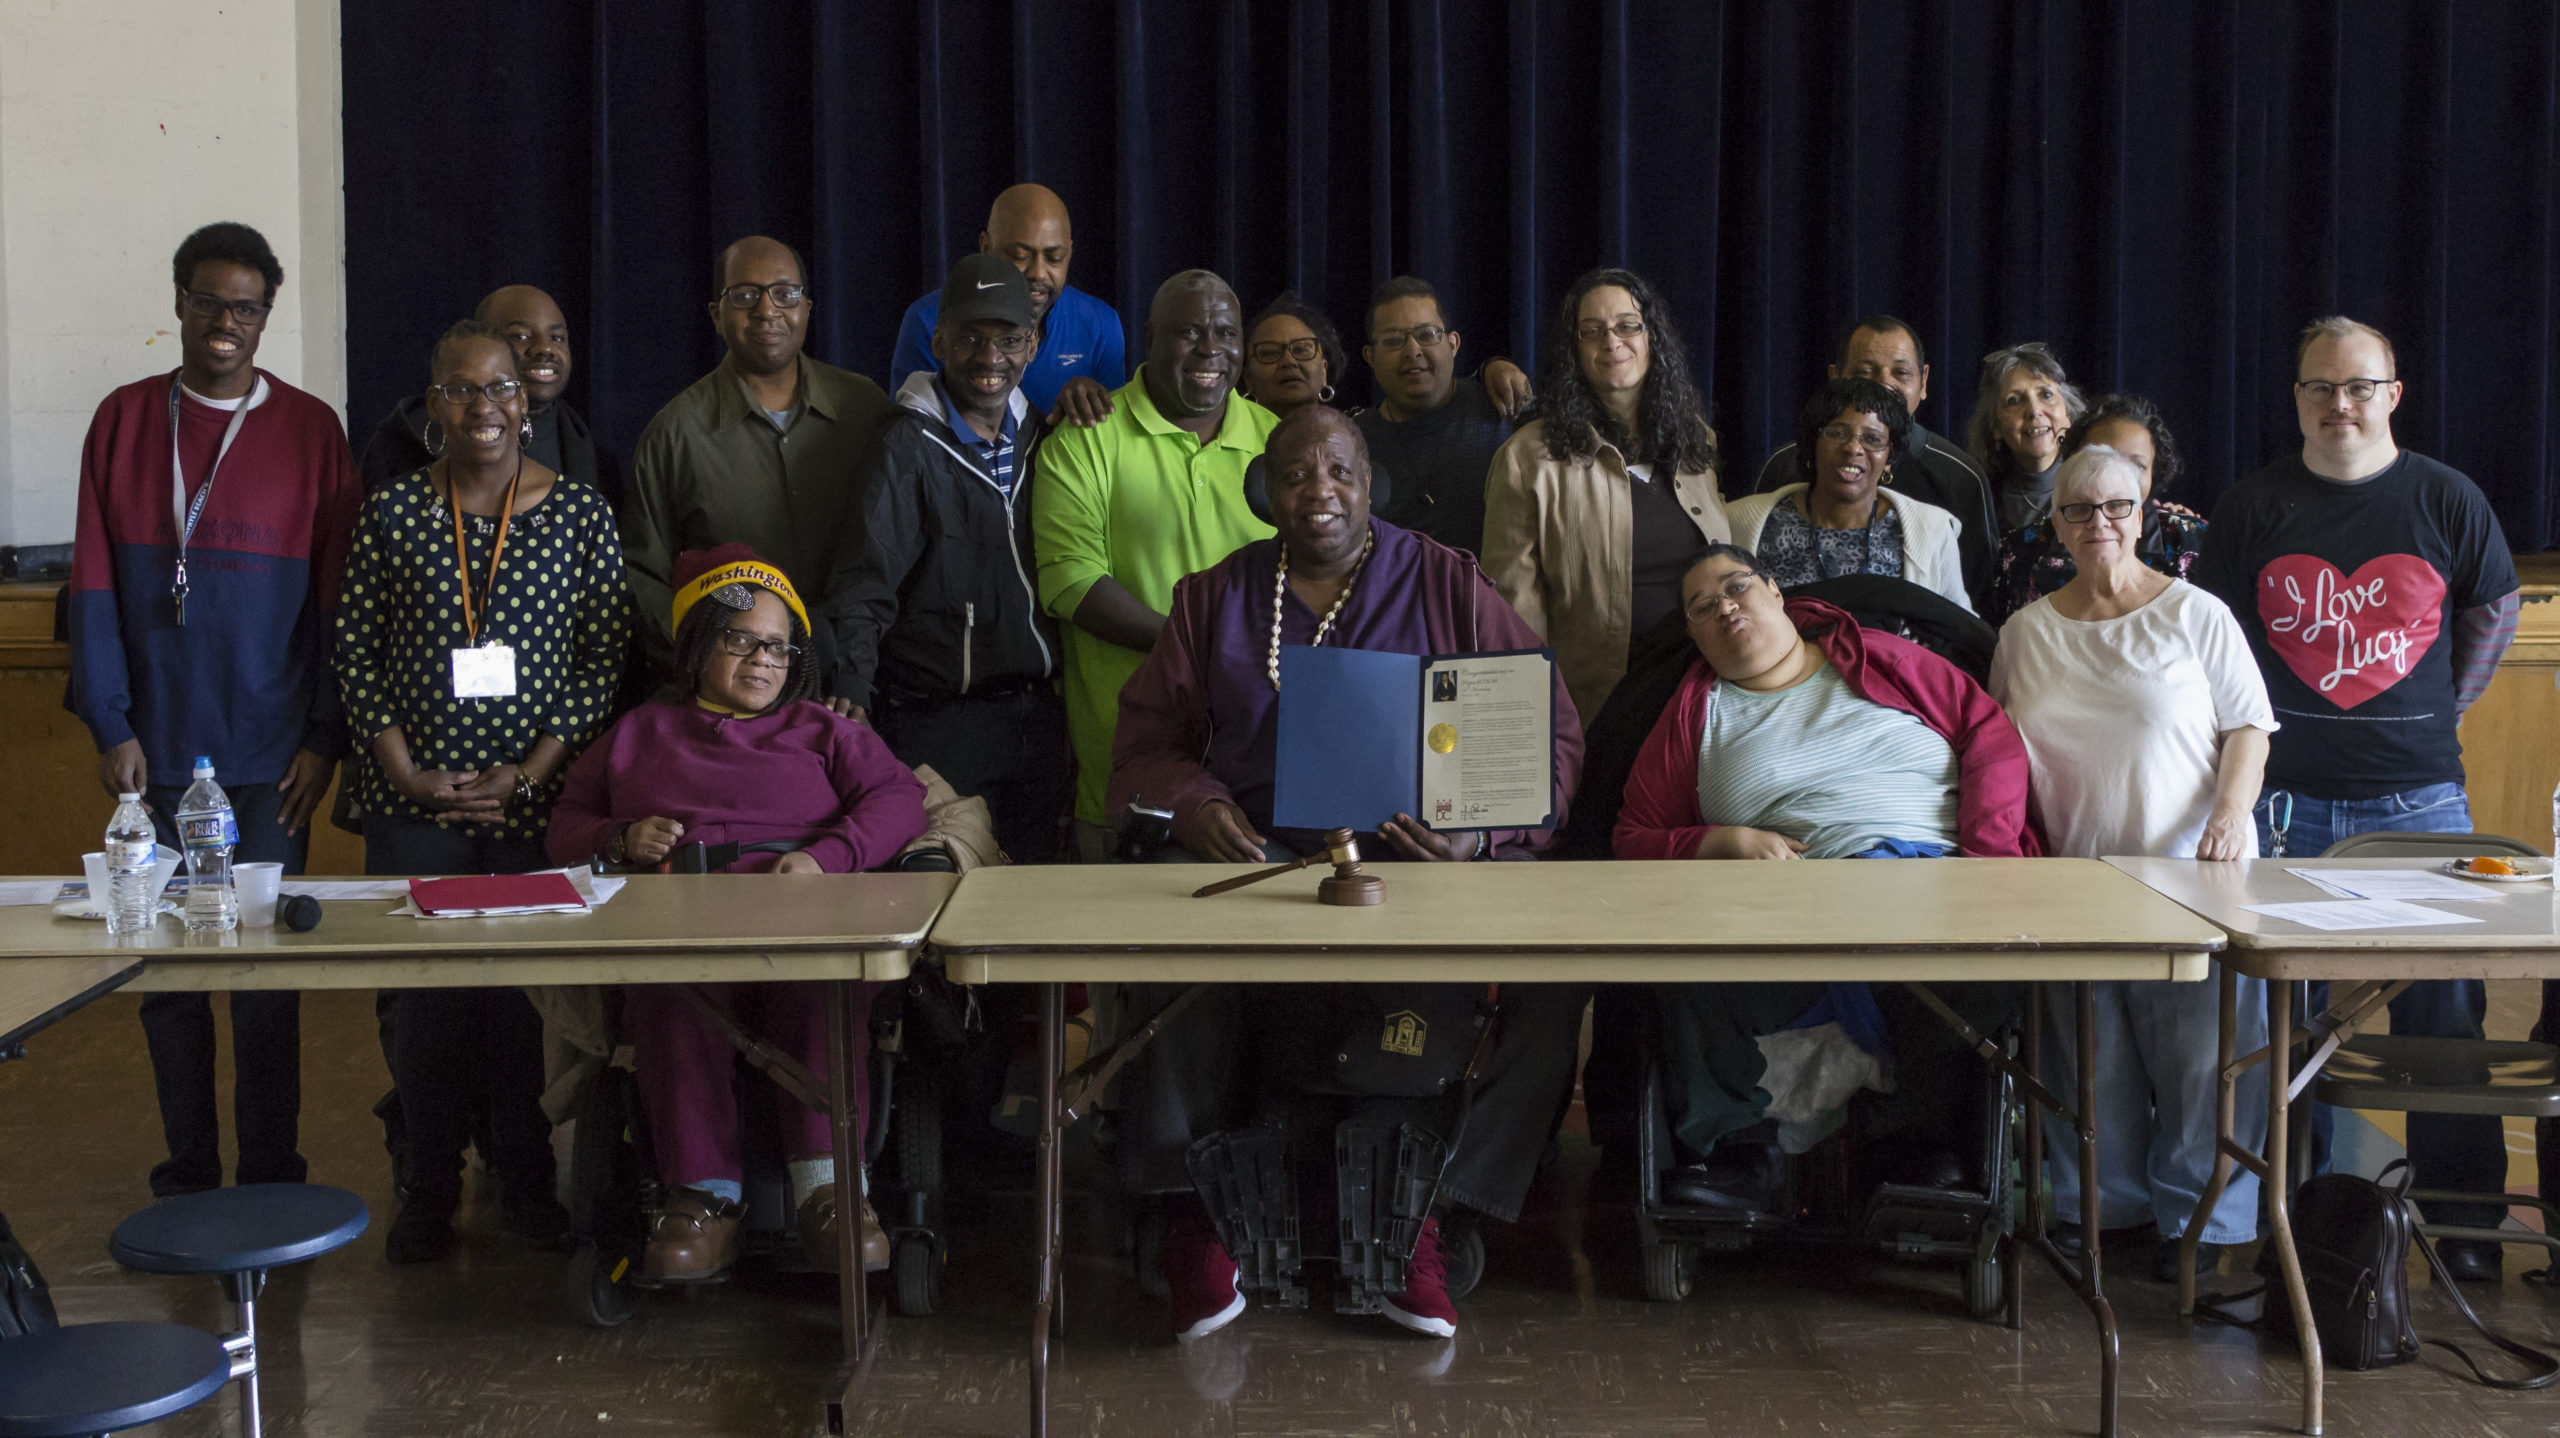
(2033,561)
(2021,408)
(1594,510)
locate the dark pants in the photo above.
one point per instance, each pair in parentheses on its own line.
(456,1049)
(2463,1152)
(1712,1064)
(266,1034)
(1009,749)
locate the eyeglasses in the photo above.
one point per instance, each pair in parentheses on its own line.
(747,297)
(1304,351)
(738,644)
(2321,391)
(1420,337)
(1870,441)
(247,312)
(1007,345)
(2083,513)
(463,392)
(1592,332)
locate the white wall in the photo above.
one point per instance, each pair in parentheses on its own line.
(123,125)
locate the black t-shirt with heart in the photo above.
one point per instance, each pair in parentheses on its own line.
(2347,593)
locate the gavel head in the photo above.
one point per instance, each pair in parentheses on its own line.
(1340,847)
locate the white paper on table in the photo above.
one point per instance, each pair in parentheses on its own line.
(2395,884)
(1488,741)
(346,888)
(596,889)
(2359,914)
(39,891)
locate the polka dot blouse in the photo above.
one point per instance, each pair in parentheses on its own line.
(559,600)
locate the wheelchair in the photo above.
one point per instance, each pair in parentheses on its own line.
(1827,1200)
(615,1196)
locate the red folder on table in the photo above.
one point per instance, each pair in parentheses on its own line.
(483,893)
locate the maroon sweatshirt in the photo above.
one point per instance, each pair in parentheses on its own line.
(797,772)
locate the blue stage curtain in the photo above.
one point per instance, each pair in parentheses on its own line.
(2163,190)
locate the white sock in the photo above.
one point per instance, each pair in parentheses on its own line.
(808,1175)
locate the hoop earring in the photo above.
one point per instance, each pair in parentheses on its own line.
(433,438)
(1325,395)
(524,435)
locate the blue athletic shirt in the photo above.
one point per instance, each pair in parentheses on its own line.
(1081,336)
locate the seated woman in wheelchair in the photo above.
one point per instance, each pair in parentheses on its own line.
(1798,735)
(1197,735)
(736,752)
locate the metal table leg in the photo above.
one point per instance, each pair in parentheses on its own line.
(1053,1000)
(861,1321)
(2280,1196)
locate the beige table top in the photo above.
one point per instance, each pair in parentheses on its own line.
(662,928)
(2518,936)
(1938,920)
(32,989)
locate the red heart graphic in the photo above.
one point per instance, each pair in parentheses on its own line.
(2351,637)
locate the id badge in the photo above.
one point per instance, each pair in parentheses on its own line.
(488,672)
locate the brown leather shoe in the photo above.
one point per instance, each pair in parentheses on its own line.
(694,1241)
(818,1232)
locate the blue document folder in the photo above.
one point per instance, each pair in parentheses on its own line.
(1347,756)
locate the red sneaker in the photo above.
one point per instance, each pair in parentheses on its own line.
(1199,1275)
(1424,1305)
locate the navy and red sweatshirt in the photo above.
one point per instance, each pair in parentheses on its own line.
(246,681)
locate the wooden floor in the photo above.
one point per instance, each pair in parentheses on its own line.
(1557,1342)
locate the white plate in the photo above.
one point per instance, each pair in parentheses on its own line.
(81,909)
(2528,871)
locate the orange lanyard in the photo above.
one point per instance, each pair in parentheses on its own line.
(462,555)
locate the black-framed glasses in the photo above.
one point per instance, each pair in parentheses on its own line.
(738,644)
(1871,441)
(2321,391)
(785,296)
(463,392)
(247,312)
(2083,513)
(1592,332)
(1304,351)
(1421,336)
(1008,345)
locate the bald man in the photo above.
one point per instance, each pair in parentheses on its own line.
(1080,360)
(533,324)
(1122,509)
(761,451)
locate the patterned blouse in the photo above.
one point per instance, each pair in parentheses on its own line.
(1798,551)
(559,600)
(2033,562)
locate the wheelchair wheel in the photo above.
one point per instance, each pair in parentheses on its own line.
(1668,1274)
(916,1123)
(599,1286)
(1462,1249)
(1986,1291)
(915,1265)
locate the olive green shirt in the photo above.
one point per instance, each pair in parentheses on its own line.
(713,469)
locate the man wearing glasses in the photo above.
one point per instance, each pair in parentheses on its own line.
(2377,594)
(216,505)
(1435,431)
(940,640)
(760,452)
(1078,346)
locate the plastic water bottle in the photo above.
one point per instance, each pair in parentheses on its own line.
(206,828)
(132,899)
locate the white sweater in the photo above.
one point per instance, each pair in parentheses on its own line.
(1929,557)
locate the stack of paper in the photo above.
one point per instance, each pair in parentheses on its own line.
(2423,884)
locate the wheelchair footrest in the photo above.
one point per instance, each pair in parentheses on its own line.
(1386,1179)
(1915,1221)
(1249,1184)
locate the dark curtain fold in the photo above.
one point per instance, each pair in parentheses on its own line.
(2163,190)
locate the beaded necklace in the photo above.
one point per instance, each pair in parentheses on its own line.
(1280,587)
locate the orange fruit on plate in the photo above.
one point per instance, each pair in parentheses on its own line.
(2492,866)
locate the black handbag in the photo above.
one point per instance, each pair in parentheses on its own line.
(25,1306)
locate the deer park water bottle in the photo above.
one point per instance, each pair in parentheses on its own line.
(132,899)
(206,828)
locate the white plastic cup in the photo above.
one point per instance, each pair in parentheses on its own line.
(168,865)
(259,885)
(94,868)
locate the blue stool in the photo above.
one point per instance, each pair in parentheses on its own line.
(238,1234)
(96,1378)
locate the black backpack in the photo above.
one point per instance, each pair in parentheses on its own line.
(25,1306)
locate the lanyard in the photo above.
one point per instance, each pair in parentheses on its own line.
(188,514)
(462,557)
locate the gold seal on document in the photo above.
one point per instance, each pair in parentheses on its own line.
(1443,738)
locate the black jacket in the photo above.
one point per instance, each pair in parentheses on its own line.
(1933,472)
(931,596)
(399,447)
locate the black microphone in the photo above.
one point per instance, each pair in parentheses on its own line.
(298,912)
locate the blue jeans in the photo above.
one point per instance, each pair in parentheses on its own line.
(2456,1151)
(266,1034)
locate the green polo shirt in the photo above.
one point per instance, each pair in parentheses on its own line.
(1145,502)
(713,469)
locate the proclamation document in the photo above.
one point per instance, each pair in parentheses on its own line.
(1488,741)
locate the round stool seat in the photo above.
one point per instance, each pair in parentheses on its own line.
(235,1230)
(102,1377)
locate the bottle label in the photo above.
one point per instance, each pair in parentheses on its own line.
(209,831)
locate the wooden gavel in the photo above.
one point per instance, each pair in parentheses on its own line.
(1346,885)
